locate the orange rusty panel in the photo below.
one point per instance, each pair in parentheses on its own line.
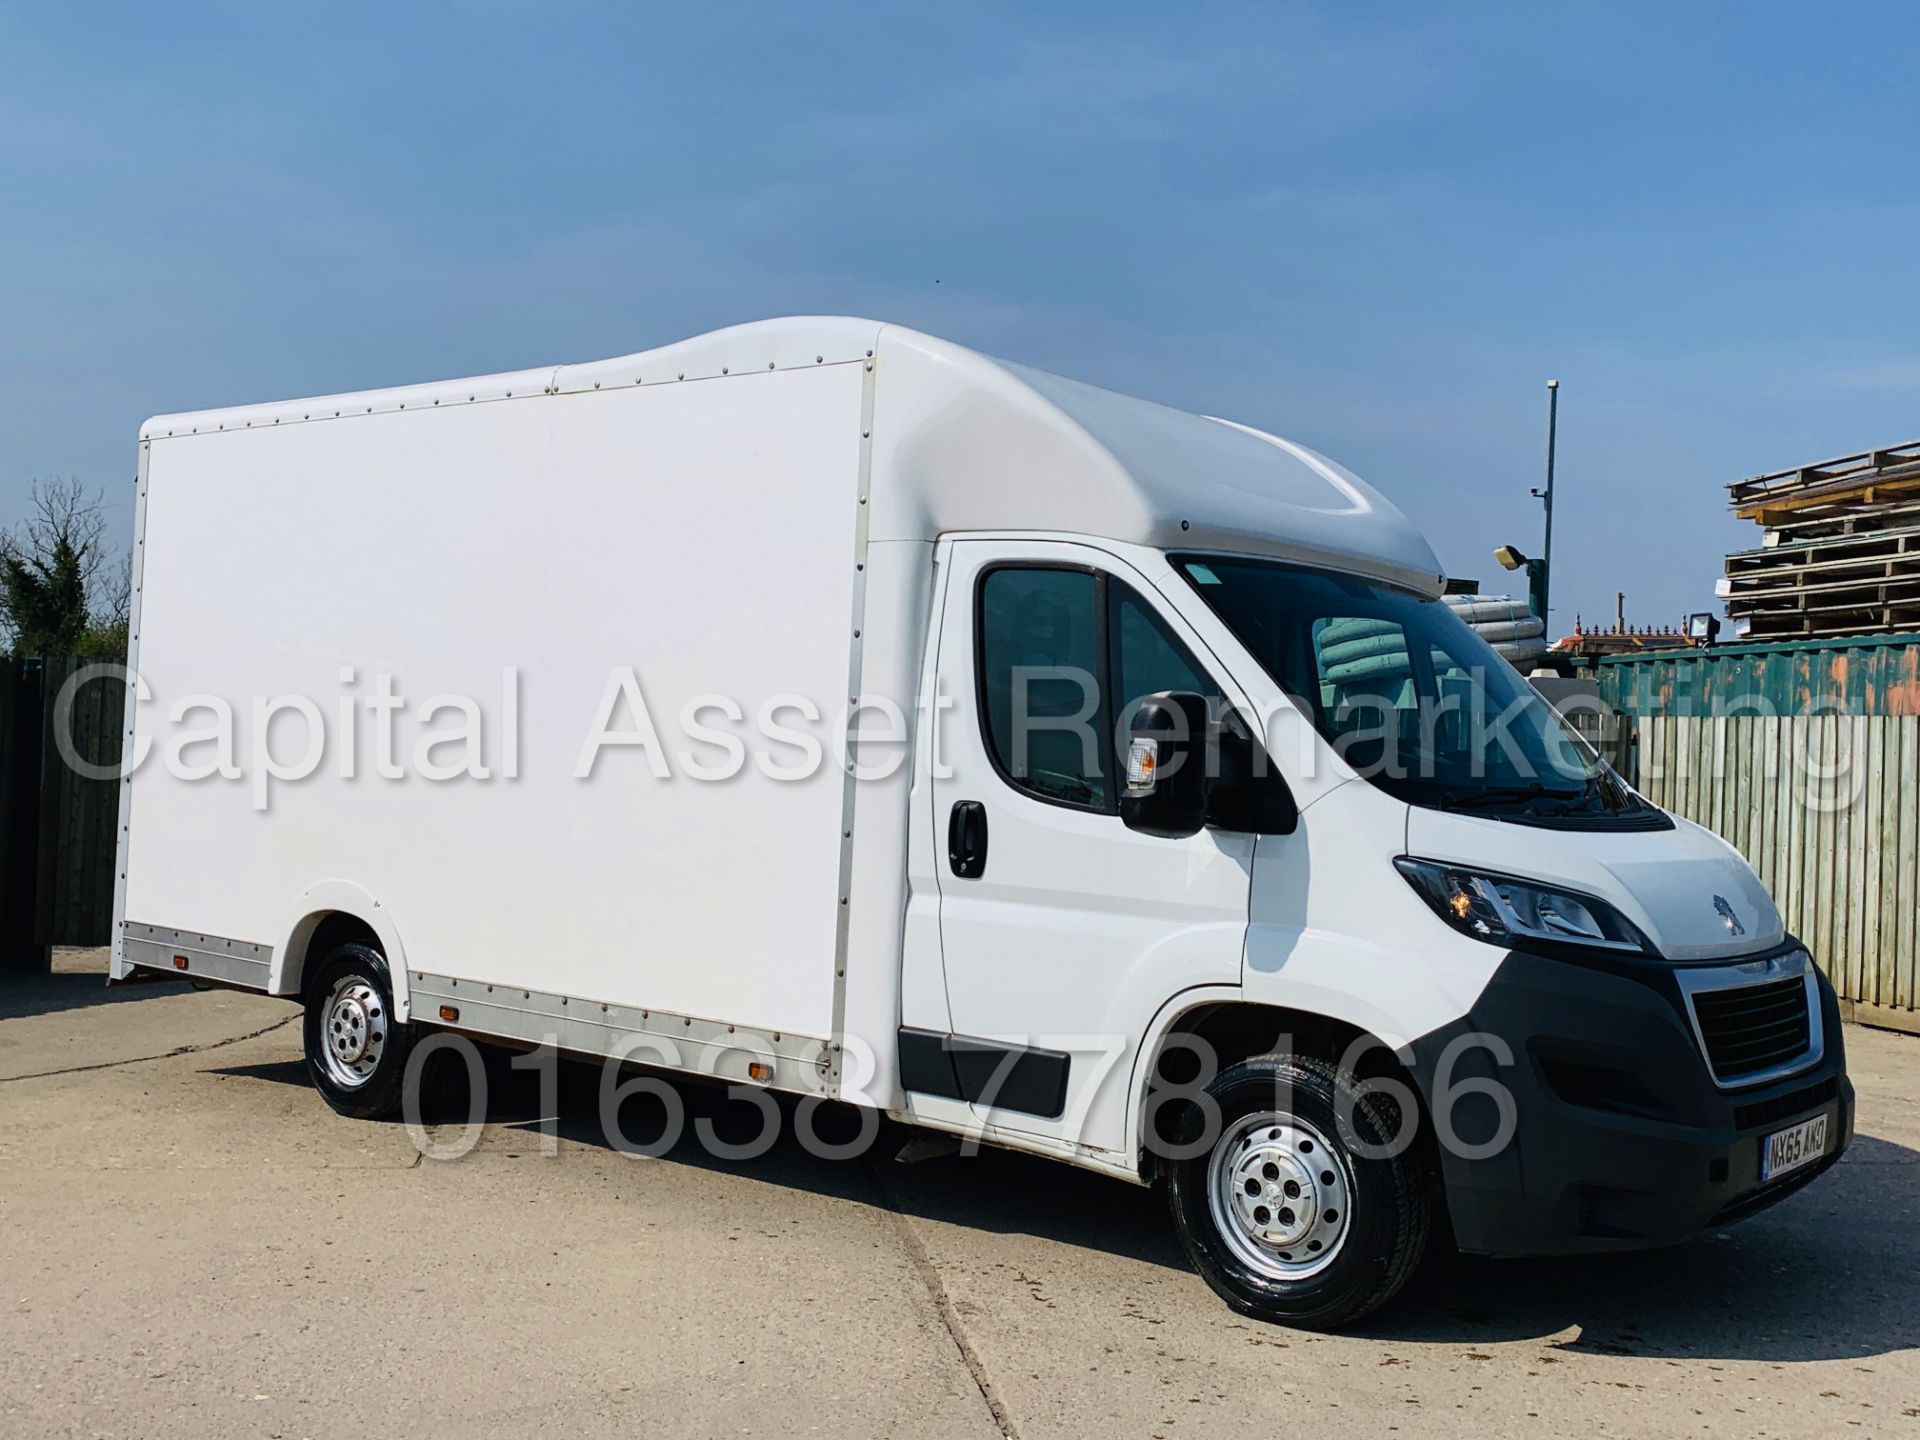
(1902,693)
(1858,675)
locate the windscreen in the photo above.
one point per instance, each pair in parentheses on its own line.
(1407,693)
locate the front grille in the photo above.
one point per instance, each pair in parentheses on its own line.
(1750,1029)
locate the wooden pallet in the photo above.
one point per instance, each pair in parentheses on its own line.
(1814,622)
(1841,552)
(1802,525)
(1832,488)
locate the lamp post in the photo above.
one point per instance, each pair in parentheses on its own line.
(1543,578)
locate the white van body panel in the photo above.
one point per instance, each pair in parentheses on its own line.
(900,579)
(1665,882)
(964,442)
(970,444)
(923,975)
(565,537)
(1337,931)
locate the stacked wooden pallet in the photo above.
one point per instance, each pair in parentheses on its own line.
(1841,549)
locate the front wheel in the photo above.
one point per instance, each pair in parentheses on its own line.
(1296,1212)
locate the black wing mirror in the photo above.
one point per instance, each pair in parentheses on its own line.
(1166,774)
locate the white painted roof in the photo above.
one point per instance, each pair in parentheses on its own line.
(964,442)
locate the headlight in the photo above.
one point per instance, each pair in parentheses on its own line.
(1504,911)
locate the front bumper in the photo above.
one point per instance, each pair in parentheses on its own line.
(1620,1138)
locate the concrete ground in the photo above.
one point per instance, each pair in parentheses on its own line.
(192,1244)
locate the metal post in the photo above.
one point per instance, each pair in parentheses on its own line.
(1546,554)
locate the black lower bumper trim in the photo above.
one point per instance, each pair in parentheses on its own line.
(1621,1139)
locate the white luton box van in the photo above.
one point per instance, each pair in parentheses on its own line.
(821,706)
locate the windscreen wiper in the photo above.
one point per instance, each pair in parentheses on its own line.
(1504,794)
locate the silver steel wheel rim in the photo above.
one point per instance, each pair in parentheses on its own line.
(353,1031)
(1279,1195)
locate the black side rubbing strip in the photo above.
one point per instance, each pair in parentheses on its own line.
(925,1066)
(985,1072)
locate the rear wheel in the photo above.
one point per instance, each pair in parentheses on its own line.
(356,1048)
(1295,1213)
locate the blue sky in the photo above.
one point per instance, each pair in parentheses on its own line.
(1377,230)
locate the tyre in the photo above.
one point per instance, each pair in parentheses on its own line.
(356,1050)
(1282,1214)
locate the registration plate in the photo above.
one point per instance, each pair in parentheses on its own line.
(1787,1150)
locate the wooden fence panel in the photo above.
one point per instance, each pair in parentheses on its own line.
(87,799)
(21,945)
(59,805)
(1826,808)
(1897,972)
(1805,756)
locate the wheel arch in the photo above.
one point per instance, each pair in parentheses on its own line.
(330,913)
(1236,1029)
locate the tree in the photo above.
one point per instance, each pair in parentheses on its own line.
(106,637)
(54,597)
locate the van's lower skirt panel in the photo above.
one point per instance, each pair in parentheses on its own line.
(742,1054)
(193,955)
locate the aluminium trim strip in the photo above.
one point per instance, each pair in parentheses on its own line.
(641,1035)
(568,379)
(117,964)
(206,957)
(422,399)
(849,785)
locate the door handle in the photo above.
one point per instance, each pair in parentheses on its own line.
(967,839)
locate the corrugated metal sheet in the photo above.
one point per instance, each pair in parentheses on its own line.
(1861,675)
(1806,757)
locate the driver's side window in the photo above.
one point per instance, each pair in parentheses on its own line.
(1065,656)
(1041,637)
(1147,659)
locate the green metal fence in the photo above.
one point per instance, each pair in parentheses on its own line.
(1804,755)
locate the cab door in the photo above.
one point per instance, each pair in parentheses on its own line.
(1062,931)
